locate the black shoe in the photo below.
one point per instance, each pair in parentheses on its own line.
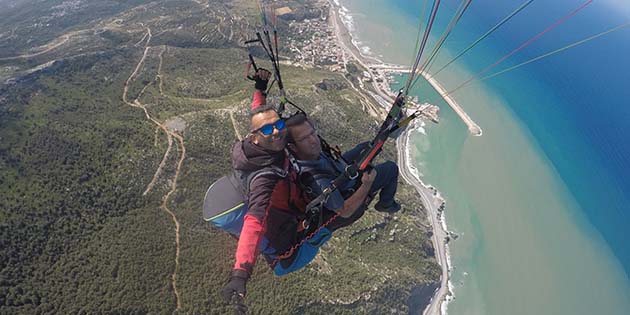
(390,208)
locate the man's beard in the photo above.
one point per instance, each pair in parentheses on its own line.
(275,142)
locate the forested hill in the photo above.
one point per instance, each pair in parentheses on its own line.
(115,117)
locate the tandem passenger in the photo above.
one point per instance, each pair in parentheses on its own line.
(317,169)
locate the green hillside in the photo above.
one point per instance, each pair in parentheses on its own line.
(86,183)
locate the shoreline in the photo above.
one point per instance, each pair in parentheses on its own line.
(431,199)
(433,202)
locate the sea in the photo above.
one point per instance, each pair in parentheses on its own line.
(540,201)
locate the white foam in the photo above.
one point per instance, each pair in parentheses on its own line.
(412,169)
(448,299)
(348,21)
(421,130)
(346,18)
(448,257)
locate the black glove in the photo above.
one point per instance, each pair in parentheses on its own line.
(262,79)
(236,286)
(239,305)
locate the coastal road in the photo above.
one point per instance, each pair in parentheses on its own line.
(432,204)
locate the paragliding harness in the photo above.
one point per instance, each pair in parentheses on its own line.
(225,202)
(225,206)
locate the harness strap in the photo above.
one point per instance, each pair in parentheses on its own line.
(270,170)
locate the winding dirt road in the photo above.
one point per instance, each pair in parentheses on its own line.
(46,48)
(170,135)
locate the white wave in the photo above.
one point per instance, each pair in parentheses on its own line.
(366,50)
(448,258)
(448,299)
(346,18)
(412,168)
(363,48)
(415,172)
(443,223)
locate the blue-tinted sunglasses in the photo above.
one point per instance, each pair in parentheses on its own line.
(268,128)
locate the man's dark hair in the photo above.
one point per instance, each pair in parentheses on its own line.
(296,120)
(261,109)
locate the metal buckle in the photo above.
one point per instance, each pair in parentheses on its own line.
(352,177)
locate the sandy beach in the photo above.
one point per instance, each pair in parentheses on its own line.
(430,197)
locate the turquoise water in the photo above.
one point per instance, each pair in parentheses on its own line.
(541,199)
